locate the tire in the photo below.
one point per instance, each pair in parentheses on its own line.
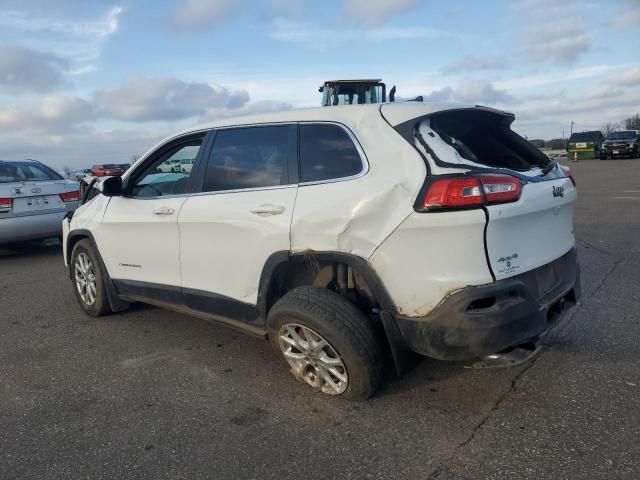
(84,252)
(313,312)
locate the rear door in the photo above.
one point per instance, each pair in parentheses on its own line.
(533,231)
(240,218)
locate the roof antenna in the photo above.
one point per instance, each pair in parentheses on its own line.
(392,94)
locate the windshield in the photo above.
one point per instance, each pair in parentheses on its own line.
(353,94)
(622,135)
(22,171)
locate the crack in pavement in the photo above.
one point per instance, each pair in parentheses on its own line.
(591,246)
(513,386)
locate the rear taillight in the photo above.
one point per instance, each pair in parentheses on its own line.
(70,196)
(472,191)
(6,203)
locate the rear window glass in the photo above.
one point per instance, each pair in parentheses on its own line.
(251,157)
(327,152)
(477,137)
(20,172)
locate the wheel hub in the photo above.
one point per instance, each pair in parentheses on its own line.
(85,277)
(312,359)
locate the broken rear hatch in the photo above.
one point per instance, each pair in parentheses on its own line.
(527,233)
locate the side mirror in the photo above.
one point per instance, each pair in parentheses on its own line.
(111,187)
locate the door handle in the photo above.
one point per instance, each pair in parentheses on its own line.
(267,209)
(163,211)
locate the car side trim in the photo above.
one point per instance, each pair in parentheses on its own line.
(204,305)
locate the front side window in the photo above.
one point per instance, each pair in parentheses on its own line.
(253,157)
(165,176)
(327,152)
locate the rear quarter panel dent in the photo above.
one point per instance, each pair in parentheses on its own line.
(356,216)
(431,255)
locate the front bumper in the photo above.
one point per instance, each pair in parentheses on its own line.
(478,321)
(619,152)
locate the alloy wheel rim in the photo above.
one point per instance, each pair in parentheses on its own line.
(85,278)
(313,359)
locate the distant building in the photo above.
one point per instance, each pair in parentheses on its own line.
(585,144)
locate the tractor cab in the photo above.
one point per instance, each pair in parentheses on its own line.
(355,92)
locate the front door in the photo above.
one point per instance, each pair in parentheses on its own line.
(138,237)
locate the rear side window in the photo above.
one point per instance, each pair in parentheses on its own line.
(327,152)
(251,157)
(20,172)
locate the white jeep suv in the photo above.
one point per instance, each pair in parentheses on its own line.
(344,235)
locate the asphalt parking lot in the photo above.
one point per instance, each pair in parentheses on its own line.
(153,394)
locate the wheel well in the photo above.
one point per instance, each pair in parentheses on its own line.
(71,242)
(334,274)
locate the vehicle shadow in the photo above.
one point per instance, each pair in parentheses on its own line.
(31,248)
(418,374)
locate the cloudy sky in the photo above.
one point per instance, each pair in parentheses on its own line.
(89,82)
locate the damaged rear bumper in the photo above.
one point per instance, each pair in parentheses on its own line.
(478,321)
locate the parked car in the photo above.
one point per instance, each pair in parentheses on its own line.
(172,166)
(85,172)
(186,165)
(339,234)
(620,144)
(124,166)
(33,200)
(106,170)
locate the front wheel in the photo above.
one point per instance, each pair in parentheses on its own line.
(327,342)
(87,280)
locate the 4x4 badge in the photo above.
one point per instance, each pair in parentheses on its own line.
(558,191)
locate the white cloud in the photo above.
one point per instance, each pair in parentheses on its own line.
(629,78)
(54,114)
(480,91)
(23,70)
(377,12)
(471,91)
(442,95)
(189,16)
(77,39)
(153,99)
